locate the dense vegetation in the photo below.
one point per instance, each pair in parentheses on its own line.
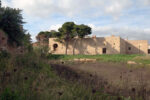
(30,77)
(11,22)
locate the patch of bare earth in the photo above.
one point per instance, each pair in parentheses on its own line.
(115,72)
(128,80)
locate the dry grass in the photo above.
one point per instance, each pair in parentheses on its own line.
(118,79)
(142,59)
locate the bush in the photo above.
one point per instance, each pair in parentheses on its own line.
(4,54)
(7,94)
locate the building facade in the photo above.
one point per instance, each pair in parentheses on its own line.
(99,45)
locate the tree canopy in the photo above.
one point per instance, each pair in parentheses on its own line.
(66,31)
(69,30)
(11,21)
(43,36)
(0,3)
(82,30)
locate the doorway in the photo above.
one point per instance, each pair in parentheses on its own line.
(104,50)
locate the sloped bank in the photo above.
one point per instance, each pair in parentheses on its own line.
(30,77)
(136,90)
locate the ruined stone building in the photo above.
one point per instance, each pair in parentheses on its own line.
(100,45)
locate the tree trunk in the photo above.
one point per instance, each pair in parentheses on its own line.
(74,46)
(66,48)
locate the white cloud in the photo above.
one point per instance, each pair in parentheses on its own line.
(124,32)
(5,3)
(55,27)
(143,2)
(42,8)
(72,8)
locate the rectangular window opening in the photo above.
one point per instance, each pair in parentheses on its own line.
(129,48)
(104,50)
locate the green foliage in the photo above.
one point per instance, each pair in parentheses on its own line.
(11,22)
(43,36)
(55,34)
(7,94)
(4,56)
(67,30)
(32,78)
(0,4)
(82,30)
(27,42)
(41,50)
(70,30)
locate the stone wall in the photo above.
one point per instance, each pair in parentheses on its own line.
(122,46)
(99,45)
(89,46)
(136,46)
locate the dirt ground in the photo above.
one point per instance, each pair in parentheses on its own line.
(118,74)
(122,78)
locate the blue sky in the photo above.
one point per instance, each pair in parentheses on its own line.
(125,18)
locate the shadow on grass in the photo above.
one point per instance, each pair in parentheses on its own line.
(55,57)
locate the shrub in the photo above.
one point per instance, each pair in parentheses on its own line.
(7,94)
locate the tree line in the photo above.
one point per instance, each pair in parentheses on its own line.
(67,32)
(11,22)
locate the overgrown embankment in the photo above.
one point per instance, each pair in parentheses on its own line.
(30,77)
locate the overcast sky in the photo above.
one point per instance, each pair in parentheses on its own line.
(126,18)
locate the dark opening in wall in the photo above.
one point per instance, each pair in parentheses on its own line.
(104,50)
(148,51)
(129,48)
(55,46)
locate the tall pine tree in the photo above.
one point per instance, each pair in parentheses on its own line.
(0,4)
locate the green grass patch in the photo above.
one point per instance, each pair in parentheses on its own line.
(142,59)
(106,58)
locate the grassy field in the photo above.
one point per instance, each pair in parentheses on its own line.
(30,77)
(105,58)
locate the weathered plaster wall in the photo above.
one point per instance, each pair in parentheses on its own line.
(92,46)
(89,46)
(122,46)
(136,46)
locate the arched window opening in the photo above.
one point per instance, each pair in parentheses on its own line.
(55,46)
